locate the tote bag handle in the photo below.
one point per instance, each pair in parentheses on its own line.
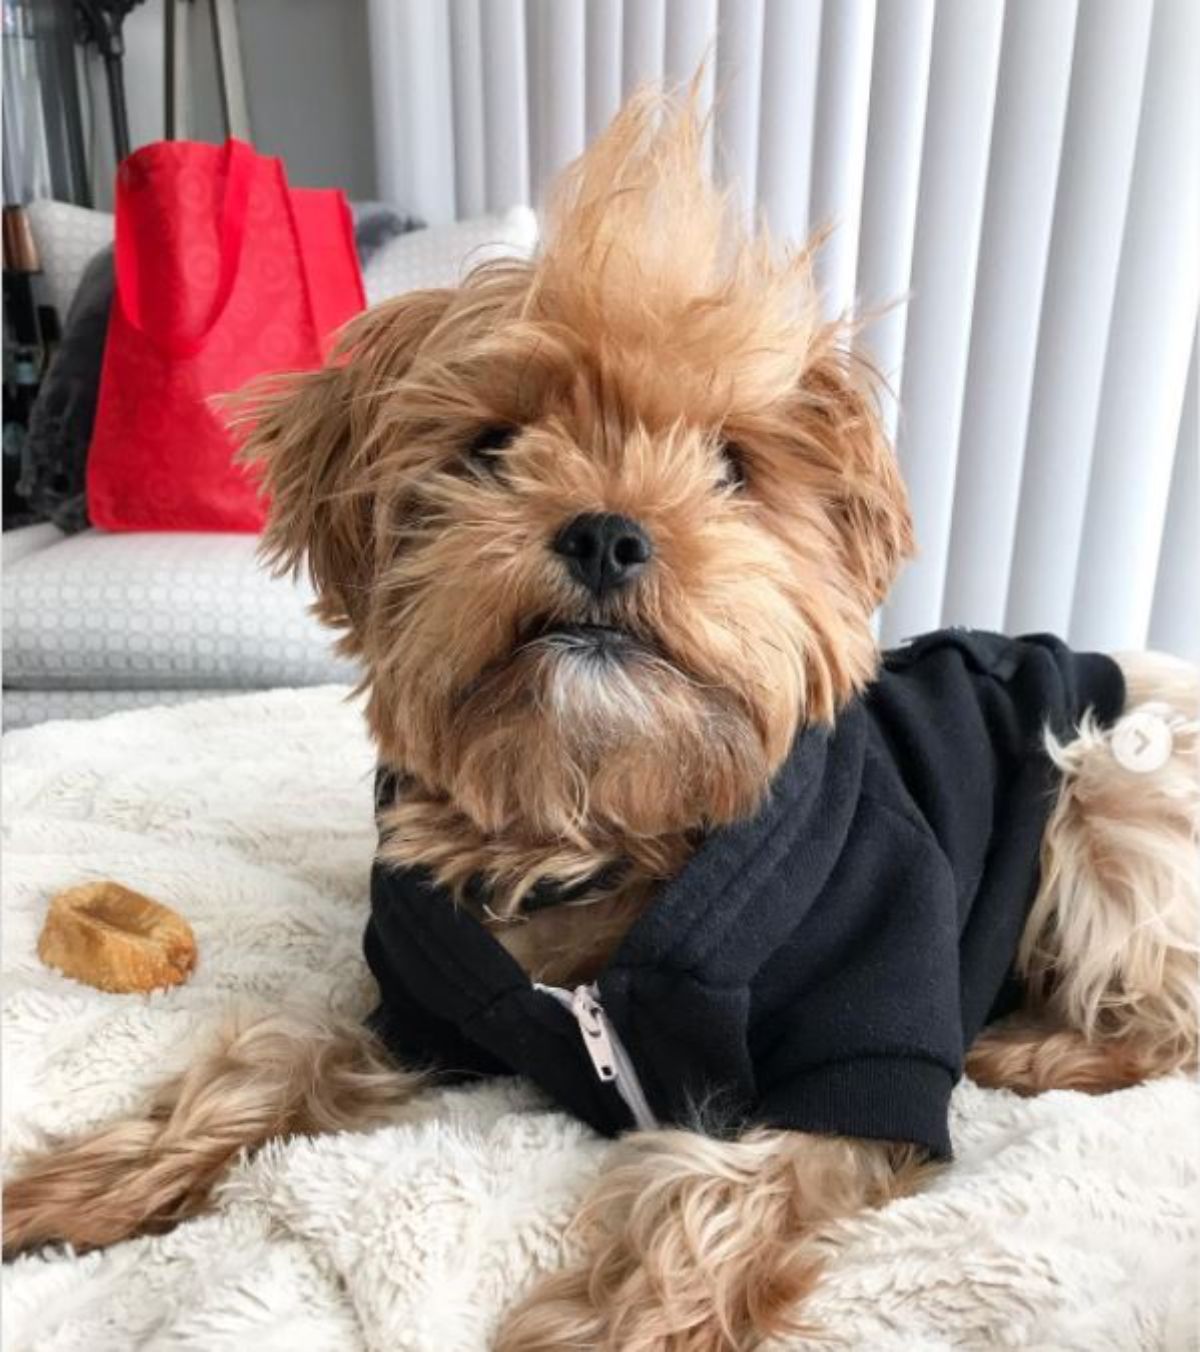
(240,160)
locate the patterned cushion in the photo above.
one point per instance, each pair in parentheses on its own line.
(15,544)
(67,237)
(155,612)
(99,620)
(443,254)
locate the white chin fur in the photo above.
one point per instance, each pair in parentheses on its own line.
(598,693)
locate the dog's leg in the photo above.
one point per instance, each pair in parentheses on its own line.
(283,1075)
(1110,948)
(698,1245)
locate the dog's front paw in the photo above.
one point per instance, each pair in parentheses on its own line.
(692,1245)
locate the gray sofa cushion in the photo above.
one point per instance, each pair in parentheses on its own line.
(159,612)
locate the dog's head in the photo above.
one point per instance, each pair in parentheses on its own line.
(605,528)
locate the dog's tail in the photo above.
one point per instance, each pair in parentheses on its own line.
(283,1075)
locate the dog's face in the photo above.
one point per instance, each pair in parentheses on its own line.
(604,528)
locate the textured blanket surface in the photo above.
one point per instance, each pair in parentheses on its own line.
(1065,1222)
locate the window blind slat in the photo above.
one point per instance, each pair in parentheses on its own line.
(557,33)
(962,82)
(1103,109)
(690,39)
(1175,619)
(739,82)
(413,108)
(643,43)
(1031,102)
(506,117)
(603,94)
(1145,371)
(839,155)
(791,52)
(891,181)
(691,33)
(1006,178)
(470,169)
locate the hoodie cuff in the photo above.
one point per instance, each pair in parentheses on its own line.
(886,1098)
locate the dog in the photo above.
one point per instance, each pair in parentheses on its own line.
(606,531)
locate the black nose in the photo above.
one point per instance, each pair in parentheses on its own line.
(603,551)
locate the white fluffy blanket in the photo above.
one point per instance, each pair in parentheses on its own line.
(1066,1222)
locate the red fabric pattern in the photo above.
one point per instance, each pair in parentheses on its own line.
(224,273)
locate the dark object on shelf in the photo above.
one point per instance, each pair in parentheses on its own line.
(60,425)
(30,332)
(100,22)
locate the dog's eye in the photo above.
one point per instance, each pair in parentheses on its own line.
(733,464)
(487,446)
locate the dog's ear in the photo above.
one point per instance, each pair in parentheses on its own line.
(312,436)
(839,417)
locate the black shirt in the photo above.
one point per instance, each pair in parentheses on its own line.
(822,966)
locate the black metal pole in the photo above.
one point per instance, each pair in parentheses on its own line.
(103,22)
(116,104)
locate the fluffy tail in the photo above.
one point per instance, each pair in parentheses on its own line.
(1111,945)
(277,1076)
(1110,952)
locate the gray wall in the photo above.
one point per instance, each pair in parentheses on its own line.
(308,86)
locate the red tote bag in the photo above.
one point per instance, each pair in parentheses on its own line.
(223,273)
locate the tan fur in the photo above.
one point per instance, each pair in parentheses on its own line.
(695,1245)
(1110,949)
(569,944)
(648,334)
(284,1075)
(561,944)
(1031,1054)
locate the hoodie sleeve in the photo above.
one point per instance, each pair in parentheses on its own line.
(855,1023)
(964,714)
(860,1022)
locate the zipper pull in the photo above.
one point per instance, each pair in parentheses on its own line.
(592,1023)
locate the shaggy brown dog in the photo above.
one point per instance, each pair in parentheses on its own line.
(652,362)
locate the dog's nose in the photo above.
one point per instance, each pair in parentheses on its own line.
(604,551)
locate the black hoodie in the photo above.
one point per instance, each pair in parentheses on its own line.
(820,967)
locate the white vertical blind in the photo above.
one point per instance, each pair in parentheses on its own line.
(839,155)
(739,82)
(1175,619)
(1031,103)
(958,123)
(603,63)
(1145,371)
(415,156)
(556,34)
(690,46)
(505,102)
(643,43)
(790,66)
(895,135)
(470,159)
(688,40)
(1096,165)
(1018,182)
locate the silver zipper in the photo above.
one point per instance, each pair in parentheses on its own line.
(606,1051)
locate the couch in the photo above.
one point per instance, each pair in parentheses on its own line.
(96,622)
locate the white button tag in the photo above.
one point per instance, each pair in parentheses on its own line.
(1142,742)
